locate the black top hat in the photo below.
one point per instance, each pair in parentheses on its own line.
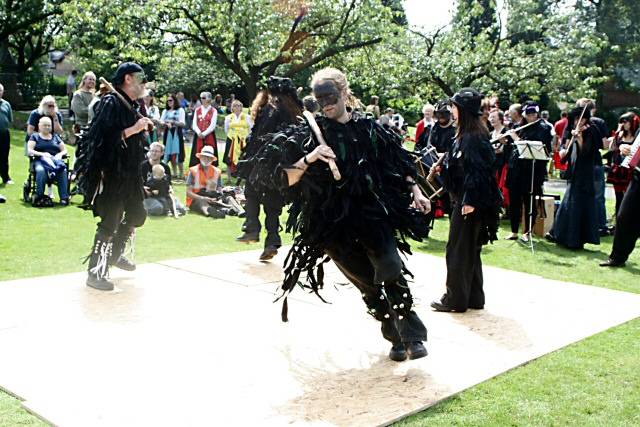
(469,100)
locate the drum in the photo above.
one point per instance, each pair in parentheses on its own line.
(427,157)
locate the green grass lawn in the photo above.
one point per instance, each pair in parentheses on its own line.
(593,382)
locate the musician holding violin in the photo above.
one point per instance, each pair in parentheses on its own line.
(111,172)
(503,147)
(619,147)
(576,221)
(627,229)
(476,203)
(519,175)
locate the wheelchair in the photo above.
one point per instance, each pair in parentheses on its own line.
(29,186)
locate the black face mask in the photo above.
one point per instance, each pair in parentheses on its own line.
(326,93)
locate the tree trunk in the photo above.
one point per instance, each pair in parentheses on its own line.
(251,85)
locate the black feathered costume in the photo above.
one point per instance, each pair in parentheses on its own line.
(271,119)
(359,222)
(110,179)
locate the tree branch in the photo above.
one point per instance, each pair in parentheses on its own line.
(329,52)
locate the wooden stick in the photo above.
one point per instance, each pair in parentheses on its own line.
(316,130)
(124,101)
(432,171)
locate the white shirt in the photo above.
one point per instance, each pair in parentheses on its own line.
(153,112)
(201,112)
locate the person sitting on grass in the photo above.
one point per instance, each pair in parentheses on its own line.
(158,186)
(152,204)
(205,194)
(201,176)
(48,150)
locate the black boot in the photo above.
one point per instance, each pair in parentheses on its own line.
(248,237)
(119,243)
(98,269)
(268,253)
(612,263)
(416,350)
(398,353)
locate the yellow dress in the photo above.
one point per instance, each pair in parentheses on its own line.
(237,135)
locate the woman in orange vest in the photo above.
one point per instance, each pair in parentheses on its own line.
(205,118)
(203,176)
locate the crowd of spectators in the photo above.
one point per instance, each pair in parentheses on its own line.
(573,143)
(196,121)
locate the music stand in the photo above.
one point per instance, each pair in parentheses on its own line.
(531,150)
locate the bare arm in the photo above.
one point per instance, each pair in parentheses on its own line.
(57,127)
(195,196)
(63,150)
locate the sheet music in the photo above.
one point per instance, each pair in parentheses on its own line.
(632,160)
(531,150)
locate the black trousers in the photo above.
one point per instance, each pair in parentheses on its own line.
(627,222)
(377,273)
(272,204)
(5,146)
(518,199)
(464,266)
(117,213)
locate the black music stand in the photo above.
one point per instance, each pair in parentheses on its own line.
(531,150)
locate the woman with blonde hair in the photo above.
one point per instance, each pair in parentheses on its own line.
(82,98)
(237,126)
(49,108)
(359,217)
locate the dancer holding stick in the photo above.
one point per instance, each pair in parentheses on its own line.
(351,203)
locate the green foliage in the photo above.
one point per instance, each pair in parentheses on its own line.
(102,34)
(191,74)
(35,85)
(27,31)
(536,53)
(617,22)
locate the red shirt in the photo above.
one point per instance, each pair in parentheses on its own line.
(419,129)
(560,126)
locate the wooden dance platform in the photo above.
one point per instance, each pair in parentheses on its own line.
(199,342)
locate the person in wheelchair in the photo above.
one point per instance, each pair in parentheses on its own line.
(48,152)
